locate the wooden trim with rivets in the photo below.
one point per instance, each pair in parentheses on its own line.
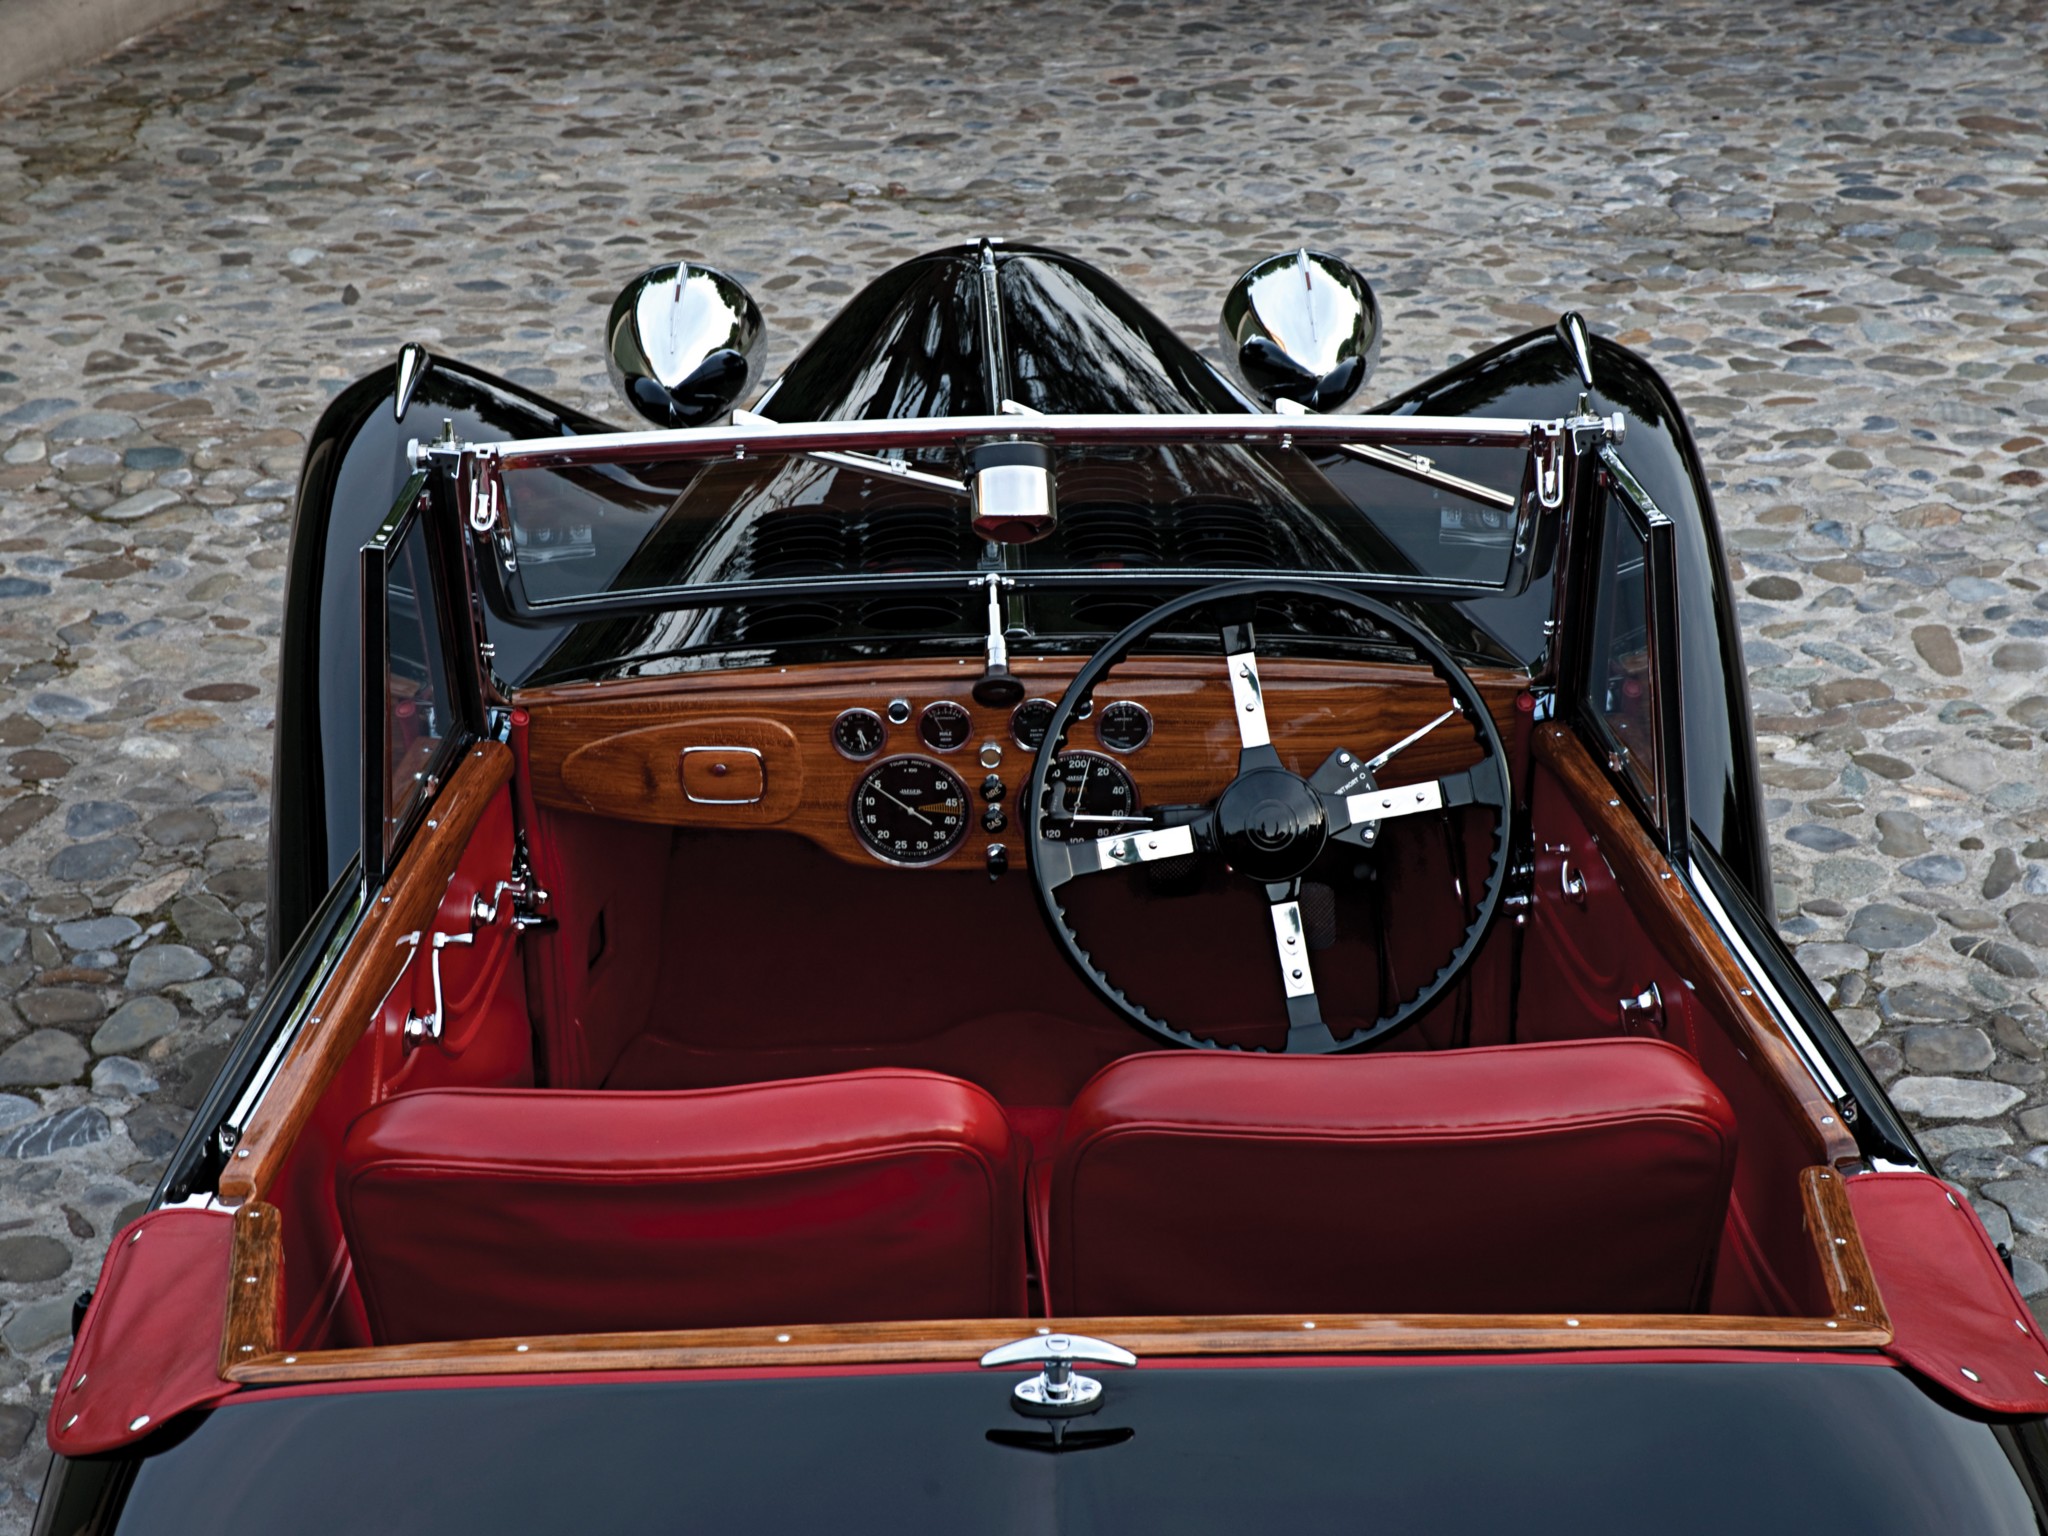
(1857,1321)
(255,1287)
(366,972)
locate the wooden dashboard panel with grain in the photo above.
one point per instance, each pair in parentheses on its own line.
(615,749)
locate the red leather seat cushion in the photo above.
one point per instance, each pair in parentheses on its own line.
(476,1213)
(1585,1176)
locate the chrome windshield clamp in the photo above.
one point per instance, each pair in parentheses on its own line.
(1058,1391)
(1547,454)
(483,493)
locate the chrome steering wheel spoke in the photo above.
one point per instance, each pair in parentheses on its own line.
(1306,1031)
(1356,817)
(1123,850)
(1248,698)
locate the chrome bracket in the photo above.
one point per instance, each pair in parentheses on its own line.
(483,495)
(1058,1391)
(531,906)
(1547,453)
(1643,1014)
(428,1026)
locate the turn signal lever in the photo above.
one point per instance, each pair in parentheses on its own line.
(1058,1391)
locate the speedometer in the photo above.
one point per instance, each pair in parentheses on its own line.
(1088,795)
(910,810)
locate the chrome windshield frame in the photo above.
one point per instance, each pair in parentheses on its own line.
(475,471)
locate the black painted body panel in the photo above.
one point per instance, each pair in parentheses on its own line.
(1543,1448)
(355,466)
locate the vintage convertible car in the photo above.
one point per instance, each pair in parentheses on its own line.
(1020,934)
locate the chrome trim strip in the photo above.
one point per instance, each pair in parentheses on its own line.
(237,1118)
(1816,1064)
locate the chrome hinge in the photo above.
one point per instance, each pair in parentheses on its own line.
(532,907)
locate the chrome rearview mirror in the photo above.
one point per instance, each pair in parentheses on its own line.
(1303,327)
(684,344)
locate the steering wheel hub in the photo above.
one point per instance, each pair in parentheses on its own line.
(1271,825)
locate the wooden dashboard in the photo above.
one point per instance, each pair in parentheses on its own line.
(623,749)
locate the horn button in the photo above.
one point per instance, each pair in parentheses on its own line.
(1271,825)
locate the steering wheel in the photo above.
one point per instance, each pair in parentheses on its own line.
(1270,824)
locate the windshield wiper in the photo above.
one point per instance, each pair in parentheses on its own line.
(867,463)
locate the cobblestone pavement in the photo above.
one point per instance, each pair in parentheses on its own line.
(1826,224)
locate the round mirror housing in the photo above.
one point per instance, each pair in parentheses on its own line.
(1014,498)
(1303,327)
(684,344)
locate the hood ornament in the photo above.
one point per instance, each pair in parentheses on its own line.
(1058,1391)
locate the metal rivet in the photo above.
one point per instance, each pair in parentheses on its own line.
(1827,1119)
(1858,1307)
(1834,1325)
(1952,1201)
(782,1338)
(1297,974)
(137,1423)
(243,1153)
(136,1237)
(1310,1323)
(1841,1242)
(1969,1374)
(78,1383)
(74,1418)
(248,1349)
(521,1348)
(431,824)
(1045,1330)
(291,1359)
(2041,1379)
(1571,1322)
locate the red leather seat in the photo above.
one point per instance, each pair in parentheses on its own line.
(478,1213)
(1584,1176)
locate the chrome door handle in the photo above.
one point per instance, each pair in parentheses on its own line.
(1571,883)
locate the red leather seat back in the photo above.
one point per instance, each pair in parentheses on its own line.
(1586,1176)
(475,1213)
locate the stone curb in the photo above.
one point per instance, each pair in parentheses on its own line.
(39,38)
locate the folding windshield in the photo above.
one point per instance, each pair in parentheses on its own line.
(881,512)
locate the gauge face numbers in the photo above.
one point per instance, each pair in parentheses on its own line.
(1093,797)
(1030,721)
(1123,726)
(945,726)
(910,810)
(858,733)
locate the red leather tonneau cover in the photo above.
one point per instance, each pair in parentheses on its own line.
(150,1348)
(1957,1318)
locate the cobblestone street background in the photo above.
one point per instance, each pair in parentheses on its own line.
(1828,225)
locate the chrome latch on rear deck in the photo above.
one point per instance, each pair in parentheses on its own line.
(1058,1391)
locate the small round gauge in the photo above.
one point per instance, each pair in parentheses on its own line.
(910,810)
(1093,796)
(1029,721)
(1123,726)
(858,733)
(945,726)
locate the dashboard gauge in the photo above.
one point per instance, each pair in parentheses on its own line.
(910,810)
(858,733)
(1124,726)
(1093,797)
(1029,722)
(945,726)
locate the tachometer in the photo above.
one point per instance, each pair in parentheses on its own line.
(910,810)
(1089,795)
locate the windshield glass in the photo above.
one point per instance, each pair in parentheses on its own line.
(1587,1449)
(600,527)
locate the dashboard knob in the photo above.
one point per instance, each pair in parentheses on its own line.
(992,789)
(998,859)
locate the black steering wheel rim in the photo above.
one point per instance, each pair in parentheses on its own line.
(1051,862)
